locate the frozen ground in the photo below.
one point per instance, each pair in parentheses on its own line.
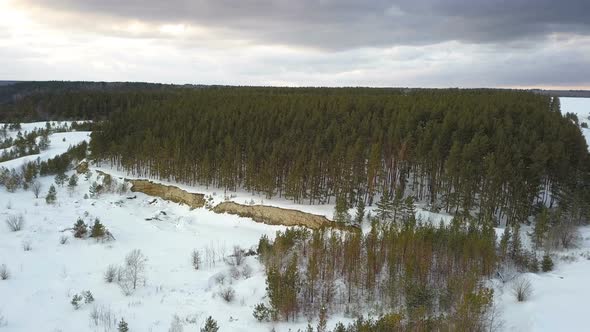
(38,294)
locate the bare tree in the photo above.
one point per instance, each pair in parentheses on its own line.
(134,271)
(522,289)
(15,222)
(237,257)
(36,187)
(196,259)
(176,324)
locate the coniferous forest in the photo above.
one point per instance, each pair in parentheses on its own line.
(496,154)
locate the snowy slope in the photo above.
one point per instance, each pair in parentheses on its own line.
(559,300)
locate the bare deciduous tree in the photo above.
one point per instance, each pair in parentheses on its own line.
(36,187)
(133,271)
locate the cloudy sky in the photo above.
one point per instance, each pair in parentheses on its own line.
(416,43)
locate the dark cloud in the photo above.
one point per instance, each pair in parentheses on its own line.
(346,24)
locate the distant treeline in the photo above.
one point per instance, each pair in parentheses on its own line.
(499,153)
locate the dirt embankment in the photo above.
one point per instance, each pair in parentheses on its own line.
(260,213)
(277,216)
(170,193)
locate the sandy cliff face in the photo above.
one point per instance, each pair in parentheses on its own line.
(273,215)
(170,193)
(260,213)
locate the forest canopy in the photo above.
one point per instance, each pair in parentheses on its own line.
(492,153)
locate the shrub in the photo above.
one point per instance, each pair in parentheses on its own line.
(111,273)
(196,259)
(76,301)
(228,294)
(27,245)
(176,324)
(88,297)
(4,272)
(547,263)
(261,313)
(63,240)
(15,223)
(522,289)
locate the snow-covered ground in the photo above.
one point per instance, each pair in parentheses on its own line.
(38,294)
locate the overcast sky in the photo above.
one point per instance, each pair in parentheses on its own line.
(416,43)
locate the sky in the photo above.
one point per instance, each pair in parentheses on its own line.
(407,43)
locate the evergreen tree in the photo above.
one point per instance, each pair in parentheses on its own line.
(123,326)
(341,214)
(60,179)
(51,195)
(210,325)
(98,229)
(360,213)
(73,181)
(385,207)
(547,263)
(80,228)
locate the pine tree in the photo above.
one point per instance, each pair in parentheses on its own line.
(341,214)
(73,181)
(98,229)
(540,228)
(385,207)
(51,195)
(60,179)
(547,263)
(360,213)
(80,228)
(323,320)
(210,325)
(123,327)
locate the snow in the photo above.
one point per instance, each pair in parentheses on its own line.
(580,107)
(57,146)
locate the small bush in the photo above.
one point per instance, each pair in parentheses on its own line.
(247,271)
(4,272)
(522,289)
(76,301)
(88,297)
(63,240)
(547,263)
(196,259)
(27,246)
(176,324)
(261,313)
(228,294)
(111,274)
(15,223)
